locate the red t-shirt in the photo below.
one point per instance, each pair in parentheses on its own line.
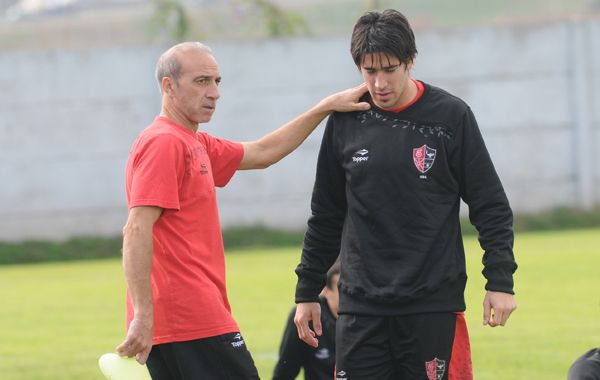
(176,169)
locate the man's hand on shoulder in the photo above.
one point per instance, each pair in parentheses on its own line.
(346,101)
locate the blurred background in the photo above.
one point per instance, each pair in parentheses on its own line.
(77,87)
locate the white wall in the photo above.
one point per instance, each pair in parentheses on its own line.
(68,118)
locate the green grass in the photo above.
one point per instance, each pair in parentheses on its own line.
(57,318)
(90,248)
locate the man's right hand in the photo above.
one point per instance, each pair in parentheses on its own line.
(347,100)
(305,312)
(138,342)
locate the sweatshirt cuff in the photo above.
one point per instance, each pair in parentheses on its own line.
(307,291)
(500,278)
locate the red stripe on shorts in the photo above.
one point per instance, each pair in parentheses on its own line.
(461,367)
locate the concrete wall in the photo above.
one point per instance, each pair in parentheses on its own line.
(68,118)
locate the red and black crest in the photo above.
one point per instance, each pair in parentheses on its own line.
(435,369)
(423,157)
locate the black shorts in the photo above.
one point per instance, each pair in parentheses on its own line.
(432,346)
(215,358)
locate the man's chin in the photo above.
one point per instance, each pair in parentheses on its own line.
(204,119)
(381,104)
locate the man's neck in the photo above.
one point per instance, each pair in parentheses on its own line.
(408,95)
(178,118)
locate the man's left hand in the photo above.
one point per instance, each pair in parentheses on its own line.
(497,307)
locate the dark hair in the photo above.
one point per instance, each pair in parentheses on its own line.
(385,32)
(335,269)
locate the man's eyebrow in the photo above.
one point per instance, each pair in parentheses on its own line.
(391,66)
(206,76)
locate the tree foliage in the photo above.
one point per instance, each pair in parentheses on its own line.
(278,22)
(172,20)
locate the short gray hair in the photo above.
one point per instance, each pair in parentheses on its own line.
(168,64)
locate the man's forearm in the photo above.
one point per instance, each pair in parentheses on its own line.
(137,265)
(272,147)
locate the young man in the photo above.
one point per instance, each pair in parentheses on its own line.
(318,362)
(178,314)
(386,199)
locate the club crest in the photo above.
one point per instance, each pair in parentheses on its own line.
(435,369)
(423,158)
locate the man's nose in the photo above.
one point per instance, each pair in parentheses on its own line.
(380,81)
(213,92)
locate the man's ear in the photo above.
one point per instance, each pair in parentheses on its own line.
(166,85)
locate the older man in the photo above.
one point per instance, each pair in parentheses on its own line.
(178,315)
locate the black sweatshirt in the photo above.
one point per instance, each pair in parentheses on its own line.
(587,367)
(386,199)
(318,363)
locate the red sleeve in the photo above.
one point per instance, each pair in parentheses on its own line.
(225,158)
(156,170)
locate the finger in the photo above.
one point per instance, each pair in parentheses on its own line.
(362,106)
(308,336)
(492,322)
(129,348)
(123,348)
(362,88)
(142,357)
(316,320)
(357,92)
(504,317)
(299,322)
(312,341)
(486,312)
(507,316)
(304,332)
(501,318)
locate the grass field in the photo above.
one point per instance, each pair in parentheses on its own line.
(56,319)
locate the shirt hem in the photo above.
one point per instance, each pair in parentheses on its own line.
(195,335)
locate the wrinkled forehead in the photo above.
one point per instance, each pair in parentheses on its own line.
(379,60)
(196,61)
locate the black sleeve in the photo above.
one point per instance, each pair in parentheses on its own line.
(587,367)
(489,210)
(291,352)
(321,244)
